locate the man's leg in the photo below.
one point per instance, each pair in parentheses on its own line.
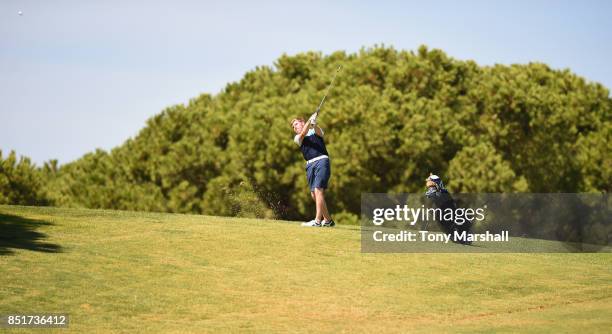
(322,211)
(319,214)
(317,221)
(310,177)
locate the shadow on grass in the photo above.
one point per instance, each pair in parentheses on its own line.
(20,233)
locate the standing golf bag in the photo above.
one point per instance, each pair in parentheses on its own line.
(443,200)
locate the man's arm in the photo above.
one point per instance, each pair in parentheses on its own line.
(318,131)
(313,121)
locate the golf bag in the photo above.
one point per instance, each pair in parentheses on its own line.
(443,200)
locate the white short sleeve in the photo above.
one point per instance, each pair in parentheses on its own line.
(310,132)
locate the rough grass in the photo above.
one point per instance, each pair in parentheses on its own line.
(116,271)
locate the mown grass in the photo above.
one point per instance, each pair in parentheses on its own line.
(116,271)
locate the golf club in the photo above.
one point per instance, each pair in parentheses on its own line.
(316,113)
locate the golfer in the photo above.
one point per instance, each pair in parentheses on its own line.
(309,137)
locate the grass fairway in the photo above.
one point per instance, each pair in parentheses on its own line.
(115,271)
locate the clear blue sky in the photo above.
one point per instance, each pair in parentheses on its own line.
(79,75)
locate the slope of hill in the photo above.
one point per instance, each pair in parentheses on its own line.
(120,271)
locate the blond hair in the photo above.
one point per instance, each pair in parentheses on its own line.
(295,119)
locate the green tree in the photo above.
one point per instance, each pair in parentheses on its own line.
(392,118)
(20,181)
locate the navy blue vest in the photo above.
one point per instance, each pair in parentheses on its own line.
(313,146)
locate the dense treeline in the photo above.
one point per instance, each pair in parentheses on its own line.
(21,182)
(393,117)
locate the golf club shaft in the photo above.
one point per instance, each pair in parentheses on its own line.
(328,88)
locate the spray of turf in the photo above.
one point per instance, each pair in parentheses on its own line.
(247,200)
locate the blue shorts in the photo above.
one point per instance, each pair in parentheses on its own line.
(318,174)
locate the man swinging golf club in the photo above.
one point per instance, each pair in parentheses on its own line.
(309,137)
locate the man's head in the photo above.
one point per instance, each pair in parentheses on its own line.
(297,124)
